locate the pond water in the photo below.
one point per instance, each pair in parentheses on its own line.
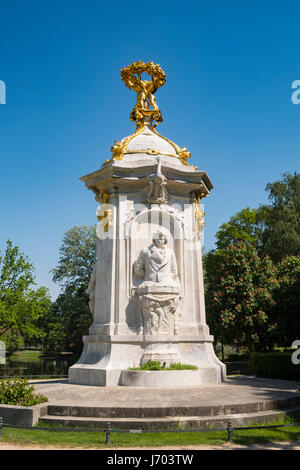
(37,366)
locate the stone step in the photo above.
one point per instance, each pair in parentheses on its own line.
(109,412)
(171,422)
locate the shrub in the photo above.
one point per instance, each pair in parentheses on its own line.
(179,366)
(19,392)
(149,365)
(274,365)
(237,357)
(155,365)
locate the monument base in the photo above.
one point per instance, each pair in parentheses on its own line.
(169,378)
(105,357)
(164,353)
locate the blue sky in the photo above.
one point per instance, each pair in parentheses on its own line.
(229,65)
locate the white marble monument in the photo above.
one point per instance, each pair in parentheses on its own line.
(146,291)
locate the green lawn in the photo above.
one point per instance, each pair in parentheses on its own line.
(97,439)
(25,355)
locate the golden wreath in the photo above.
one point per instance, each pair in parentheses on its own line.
(140,67)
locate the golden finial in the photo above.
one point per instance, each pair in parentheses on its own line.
(145,89)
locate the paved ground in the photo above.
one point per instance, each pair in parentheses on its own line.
(272,446)
(236,390)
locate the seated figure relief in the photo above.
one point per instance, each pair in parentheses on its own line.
(157,264)
(158,293)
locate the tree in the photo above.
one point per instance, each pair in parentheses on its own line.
(20,305)
(77,256)
(280,220)
(239,298)
(54,334)
(272,230)
(70,311)
(73,314)
(287,300)
(243,226)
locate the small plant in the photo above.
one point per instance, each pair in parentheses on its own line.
(19,392)
(155,365)
(179,366)
(149,365)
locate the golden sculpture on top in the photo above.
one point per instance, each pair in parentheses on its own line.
(145,89)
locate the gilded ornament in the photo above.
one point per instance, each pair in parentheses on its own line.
(199,215)
(107,216)
(104,213)
(103,197)
(184,154)
(117,150)
(145,89)
(142,113)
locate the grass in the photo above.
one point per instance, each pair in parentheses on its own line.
(97,439)
(25,356)
(27,353)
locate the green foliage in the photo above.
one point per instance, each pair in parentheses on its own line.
(179,366)
(280,220)
(155,365)
(20,305)
(53,328)
(73,317)
(77,256)
(149,365)
(273,230)
(239,297)
(243,226)
(287,300)
(18,392)
(70,316)
(274,365)
(97,439)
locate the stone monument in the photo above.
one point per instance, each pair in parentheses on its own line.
(146,290)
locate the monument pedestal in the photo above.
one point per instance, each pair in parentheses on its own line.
(104,358)
(164,353)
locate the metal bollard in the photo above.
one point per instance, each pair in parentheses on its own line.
(107,431)
(1,422)
(230,431)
